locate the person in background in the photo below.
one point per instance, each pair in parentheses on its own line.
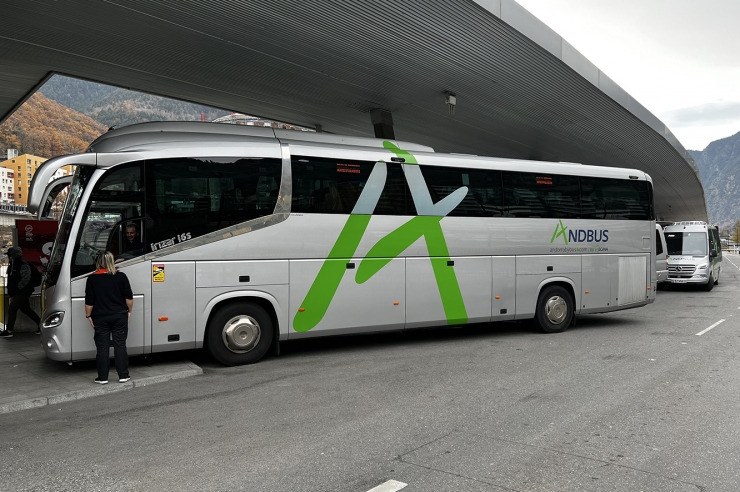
(20,288)
(108,304)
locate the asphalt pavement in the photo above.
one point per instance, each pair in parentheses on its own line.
(642,399)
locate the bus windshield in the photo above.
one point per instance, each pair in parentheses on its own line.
(80,180)
(687,243)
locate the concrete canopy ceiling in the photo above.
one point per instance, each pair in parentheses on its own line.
(522,91)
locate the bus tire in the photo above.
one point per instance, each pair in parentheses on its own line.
(554,309)
(709,285)
(239,333)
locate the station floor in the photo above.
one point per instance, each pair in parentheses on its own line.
(29,379)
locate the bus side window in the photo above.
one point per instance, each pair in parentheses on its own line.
(541,195)
(485,194)
(189,197)
(615,199)
(327,185)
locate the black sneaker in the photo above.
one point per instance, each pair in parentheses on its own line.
(101,381)
(6,334)
(124,380)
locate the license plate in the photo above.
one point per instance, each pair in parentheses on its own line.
(677,281)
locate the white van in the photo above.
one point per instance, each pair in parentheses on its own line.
(694,253)
(661,256)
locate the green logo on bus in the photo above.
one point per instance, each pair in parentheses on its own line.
(560,230)
(426,225)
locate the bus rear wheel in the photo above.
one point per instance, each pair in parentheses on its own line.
(554,309)
(239,334)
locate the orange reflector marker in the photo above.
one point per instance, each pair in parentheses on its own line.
(586,292)
(396,303)
(301,309)
(649,288)
(498,297)
(163,318)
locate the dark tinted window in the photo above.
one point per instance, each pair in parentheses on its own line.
(484,198)
(616,199)
(187,198)
(541,195)
(327,186)
(333,186)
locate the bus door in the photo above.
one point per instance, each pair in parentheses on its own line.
(116,200)
(83,345)
(173,305)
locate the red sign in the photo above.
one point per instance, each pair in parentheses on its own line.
(36,237)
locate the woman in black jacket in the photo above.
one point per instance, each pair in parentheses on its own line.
(108,304)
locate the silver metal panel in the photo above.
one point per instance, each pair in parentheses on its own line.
(520,19)
(423,302)
(503,269)
(632,279)
(83,343)
(492,6)
(551,264)
(232,273)
(365,307)
(598,271)
(575,60)
(173,306)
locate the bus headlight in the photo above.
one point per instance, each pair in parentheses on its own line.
(702,267)
(53,320)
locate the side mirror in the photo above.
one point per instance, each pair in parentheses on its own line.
(712,253)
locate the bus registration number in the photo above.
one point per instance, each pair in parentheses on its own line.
(678,281)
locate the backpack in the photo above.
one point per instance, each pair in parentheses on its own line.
(36,276)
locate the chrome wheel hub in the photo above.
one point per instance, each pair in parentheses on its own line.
(241,334)
(556,309)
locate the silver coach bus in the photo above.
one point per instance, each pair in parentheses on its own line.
(235,238)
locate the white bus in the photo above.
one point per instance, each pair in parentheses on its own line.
(250,236)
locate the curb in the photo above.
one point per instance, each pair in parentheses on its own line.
(97,391)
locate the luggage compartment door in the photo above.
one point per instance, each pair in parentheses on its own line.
(173,305)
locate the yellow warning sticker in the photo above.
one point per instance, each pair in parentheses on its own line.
(157,273)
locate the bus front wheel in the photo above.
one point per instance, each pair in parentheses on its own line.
(554,309)
(239,334)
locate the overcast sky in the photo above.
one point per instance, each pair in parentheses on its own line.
(679,58)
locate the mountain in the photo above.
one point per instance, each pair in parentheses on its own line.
(719,166)
(120,107)
(46,128)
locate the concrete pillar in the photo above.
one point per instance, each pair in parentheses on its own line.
(382,123)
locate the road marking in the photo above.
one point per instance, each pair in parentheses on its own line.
(707,329)
(389,486)
(733,263)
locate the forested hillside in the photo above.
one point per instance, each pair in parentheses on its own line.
(46,128)
(120,107)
